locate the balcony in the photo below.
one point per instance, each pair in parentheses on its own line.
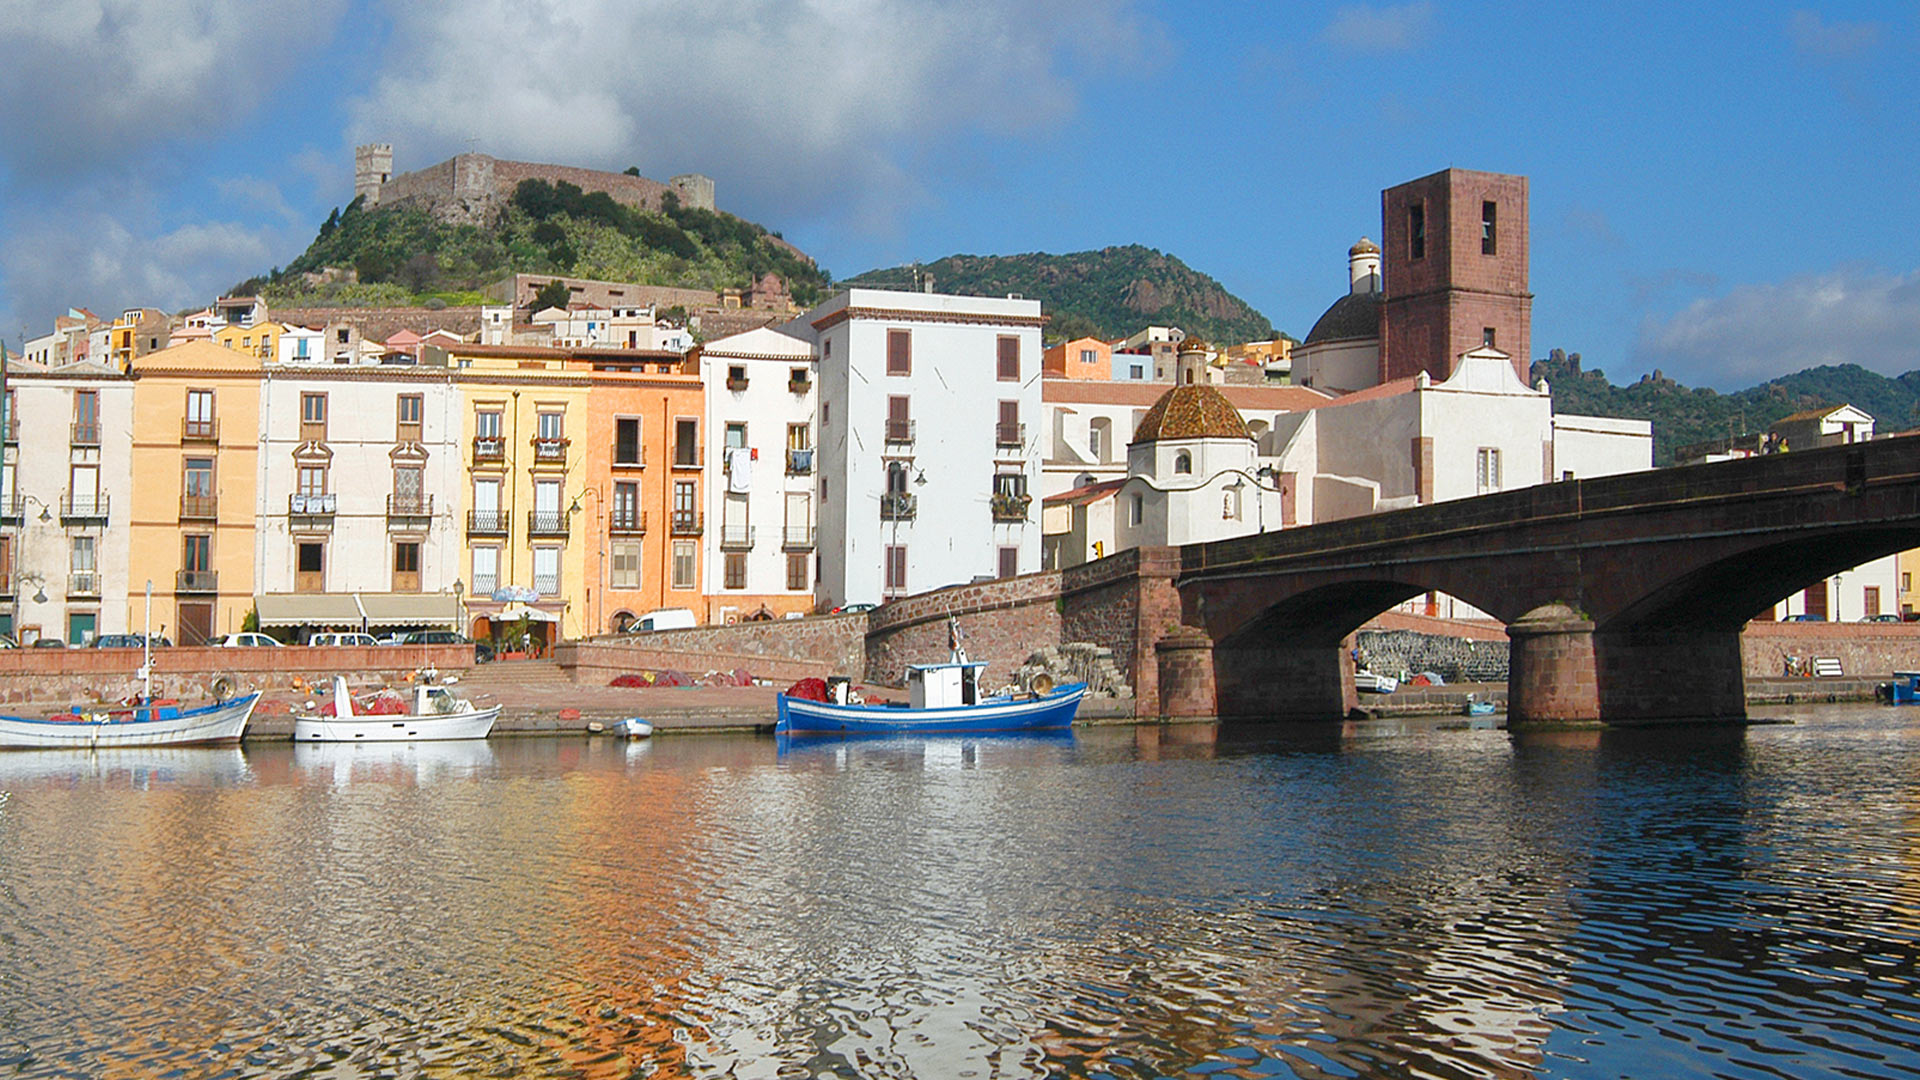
(83,583)
(13,510)
(489,448)
(1008,506)
(799,386)
(196,581)
(13,431)
(199,430)
(546,584)
(548,522)
(484,584)
(199,507)
(688,457)
(311,506)
(900,432)
(550,451)
(1005,435)
(79,509)
(86,435)
(797,538)
(406,510)
(627,521)
(799,462)
(487,522)
(898,506)
(737,384)
(688,523)
(629,457)
(734,537)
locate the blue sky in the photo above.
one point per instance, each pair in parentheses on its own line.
(1726,193)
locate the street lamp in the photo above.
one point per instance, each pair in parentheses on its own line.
(460,604)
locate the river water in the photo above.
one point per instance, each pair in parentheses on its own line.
(1391,899)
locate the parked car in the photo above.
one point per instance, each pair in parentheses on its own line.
(50,643)
(853,609)
(246,639)
(7,642)
(482,652)
(666,618)
(1881,618)
(1805,618)
(128,641)
(330,638)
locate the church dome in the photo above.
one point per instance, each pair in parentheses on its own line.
(1355,315)
(1364,247)
(1191,411)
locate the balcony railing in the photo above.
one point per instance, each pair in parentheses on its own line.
(487,522)
(489,448)
(313,505)
(83,583)
(546,584)
(197,581)
(797,538)
(550,451)
(86,434)
(199,430)
(409,506)
(13,510)
(799,462)
(897,506)
(799,386)
(737,384)
(688,457)
(900,431)
(1009,434)
(735,537)
(629,457)
(1010,507)
(484,584)
(688,522)
(627,521)
(83,507)
(13,430)
(199,507)
(547,522)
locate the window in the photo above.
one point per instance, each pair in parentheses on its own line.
(198,482)
(686,441)
(1009,562)
(313,480)
(736,436)
(85,579)
(736,572)
(626,441)
(1009,358)
(86,418)
(313,417)
(1489,225)
(625,565)
(546,507)
(626,505)
(1086,356)
(486,571)
(899,352)
(1136,508)
(1486,337)
(1008,431)
(896,568)
(899,419)
(1906,581)
(486,424)
(683,563)
(196,553)
(1136,371)
(896,478)
(796,571)
(408,409)
(1870,599)
(799,449)
(199,414)
(409,490)
(550,426)
(736,376)
(1183,462)
(1487,469)
(546,570)
(1417,231)
(683,505)
(1010,484)
(342,336)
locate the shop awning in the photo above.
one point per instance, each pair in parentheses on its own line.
(308,609)
(410,609)
(369,610)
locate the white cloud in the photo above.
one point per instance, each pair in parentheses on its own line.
(1758,332)
(1386,29)
(1818,39)
(92,82)
(795,104)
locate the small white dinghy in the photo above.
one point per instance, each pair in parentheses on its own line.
(632,728)
(436,714)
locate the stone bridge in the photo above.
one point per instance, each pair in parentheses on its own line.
(1624,596)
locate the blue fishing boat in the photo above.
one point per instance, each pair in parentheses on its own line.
(941,699)
(1903,690)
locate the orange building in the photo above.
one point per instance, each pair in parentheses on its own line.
(1081,358)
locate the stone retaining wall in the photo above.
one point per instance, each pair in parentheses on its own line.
(1865,650)
(782,650)
(82,676)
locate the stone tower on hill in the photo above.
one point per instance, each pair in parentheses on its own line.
(472,188)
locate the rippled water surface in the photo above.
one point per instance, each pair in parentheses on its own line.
(1377,900)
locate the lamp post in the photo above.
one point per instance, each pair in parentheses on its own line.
(460,605)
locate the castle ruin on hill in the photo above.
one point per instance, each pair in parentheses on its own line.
(471,189)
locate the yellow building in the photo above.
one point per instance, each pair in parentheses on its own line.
(196,448)
(525,505)
(260,341)
(1909,600)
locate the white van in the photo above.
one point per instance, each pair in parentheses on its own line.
(666,618)
(329,638)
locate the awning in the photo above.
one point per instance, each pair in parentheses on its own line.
(410,609)
(525,611)
(308,609)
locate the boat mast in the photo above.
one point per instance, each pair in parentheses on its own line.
(146,650)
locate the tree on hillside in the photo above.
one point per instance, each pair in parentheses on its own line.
(553,294)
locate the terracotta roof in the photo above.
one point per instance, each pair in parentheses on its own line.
(1355,315)
(1813,414)
(1248,397)
(1087,493)
(1191,411)
(1373,393)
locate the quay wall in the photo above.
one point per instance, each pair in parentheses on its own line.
(90,676)
(1865,650)
(782,650)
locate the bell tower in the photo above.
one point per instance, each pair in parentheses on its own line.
(1456,272)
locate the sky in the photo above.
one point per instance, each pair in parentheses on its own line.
(1724,193)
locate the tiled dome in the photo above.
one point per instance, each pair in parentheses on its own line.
(1191,411)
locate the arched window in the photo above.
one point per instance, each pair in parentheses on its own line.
(1183,462)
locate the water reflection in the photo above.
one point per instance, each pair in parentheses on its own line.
(1379,898)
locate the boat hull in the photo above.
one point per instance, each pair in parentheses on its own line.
(350,729)
(208,725)
(799,716)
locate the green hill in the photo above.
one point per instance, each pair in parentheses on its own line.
(401,255)
(1108,293)
(1682,416)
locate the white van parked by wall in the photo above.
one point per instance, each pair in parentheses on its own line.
(666,618)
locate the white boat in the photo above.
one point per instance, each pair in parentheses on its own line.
(436,714)
(633,727)
(144,725)
(1368,683)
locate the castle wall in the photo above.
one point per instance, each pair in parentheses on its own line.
(472,187)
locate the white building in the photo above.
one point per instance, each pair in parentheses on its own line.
(929,439)
(761,401)
(362,469)
(585,327)
(66,493)
(1342,352)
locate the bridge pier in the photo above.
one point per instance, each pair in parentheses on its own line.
(1656,676)
(1270,681)
(1551,674)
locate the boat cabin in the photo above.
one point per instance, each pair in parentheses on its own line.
(943,686)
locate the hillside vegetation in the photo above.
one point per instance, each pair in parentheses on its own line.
(401,255)
(1682,416)
(1108,293)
